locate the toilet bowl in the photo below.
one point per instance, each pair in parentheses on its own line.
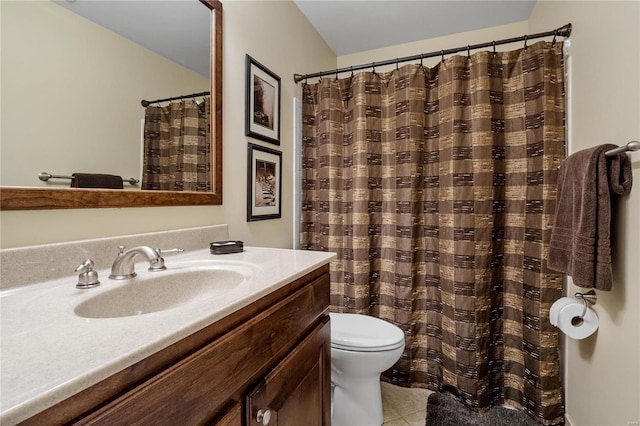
(362,347)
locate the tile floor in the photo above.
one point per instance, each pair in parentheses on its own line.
(404,406)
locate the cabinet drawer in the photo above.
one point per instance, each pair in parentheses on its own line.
(192,390)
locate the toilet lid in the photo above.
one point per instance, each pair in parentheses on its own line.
(364,333)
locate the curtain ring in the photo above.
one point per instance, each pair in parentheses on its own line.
(494,48)
(555,34)
(374,67)
(421,66)
(525,41)
(397,65)
(351,71)
(443,56)
(468,52)
(336,74)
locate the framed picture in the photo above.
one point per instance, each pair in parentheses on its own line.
(263,103)
(264,183)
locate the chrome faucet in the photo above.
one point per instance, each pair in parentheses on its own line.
(123,266)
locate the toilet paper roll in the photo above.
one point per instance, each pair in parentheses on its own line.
(572,325)
(556,307)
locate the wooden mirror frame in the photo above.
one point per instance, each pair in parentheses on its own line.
(12,198)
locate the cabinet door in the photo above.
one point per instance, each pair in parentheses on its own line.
(298,390)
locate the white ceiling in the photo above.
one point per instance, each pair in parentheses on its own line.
(179,29)
(350,26)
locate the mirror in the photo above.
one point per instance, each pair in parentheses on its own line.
(19,195)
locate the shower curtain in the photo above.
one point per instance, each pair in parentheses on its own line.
(177,147)
(436,188)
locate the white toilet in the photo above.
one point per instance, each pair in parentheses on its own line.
(362,347)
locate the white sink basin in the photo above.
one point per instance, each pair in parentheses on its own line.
(159,291)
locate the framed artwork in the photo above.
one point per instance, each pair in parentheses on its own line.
(264,183)
(262,119)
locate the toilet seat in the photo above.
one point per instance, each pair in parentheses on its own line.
(362,333)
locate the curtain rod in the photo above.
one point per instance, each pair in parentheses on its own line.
(175,98)
(564,31)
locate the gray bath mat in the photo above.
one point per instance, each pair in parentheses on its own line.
(444,409)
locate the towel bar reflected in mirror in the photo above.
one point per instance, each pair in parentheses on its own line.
(44,176)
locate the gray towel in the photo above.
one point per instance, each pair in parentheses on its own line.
(95,180)
(580,240)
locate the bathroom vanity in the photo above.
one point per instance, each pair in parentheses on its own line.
(257,354)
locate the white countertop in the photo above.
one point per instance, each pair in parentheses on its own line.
(48,353)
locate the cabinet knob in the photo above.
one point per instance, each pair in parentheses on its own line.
(264,416)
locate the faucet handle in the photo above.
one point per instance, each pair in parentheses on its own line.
(158,264)
(85,267)
(169,251)
(87,277)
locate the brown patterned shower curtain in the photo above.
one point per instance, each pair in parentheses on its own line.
(177,147)
(436,188)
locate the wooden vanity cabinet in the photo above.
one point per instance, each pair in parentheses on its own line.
(273,355)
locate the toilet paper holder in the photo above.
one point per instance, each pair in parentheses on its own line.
(588,298)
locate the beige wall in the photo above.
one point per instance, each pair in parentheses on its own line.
(280,37)
(71,93)
(276,34)
(603,371)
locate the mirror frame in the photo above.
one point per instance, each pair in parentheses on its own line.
(13,198)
